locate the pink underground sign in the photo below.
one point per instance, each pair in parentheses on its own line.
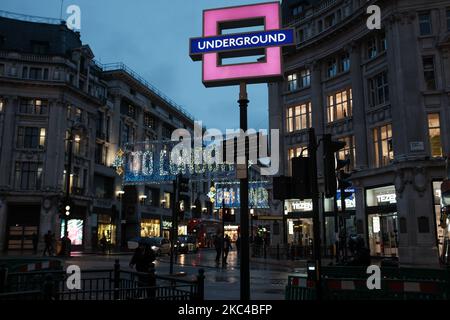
(214,45)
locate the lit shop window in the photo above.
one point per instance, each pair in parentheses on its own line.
(383,148)
(339,105)
(434,132)
(299,117)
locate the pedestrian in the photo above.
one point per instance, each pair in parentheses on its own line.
(35,240)
(48,240)
(143,260)
(103,243)
(66,245)
(238,246)
(226,248)
(218,247)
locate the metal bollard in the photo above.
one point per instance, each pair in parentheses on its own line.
(201,285)
(116,280)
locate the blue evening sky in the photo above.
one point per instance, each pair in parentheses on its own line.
(151,37)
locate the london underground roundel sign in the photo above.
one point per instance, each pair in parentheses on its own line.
(216,44)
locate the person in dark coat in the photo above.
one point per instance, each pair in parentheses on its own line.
(48,240)
(35,240)
(218,247)
(143,260)
(226,248)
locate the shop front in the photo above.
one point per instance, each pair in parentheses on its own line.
(166,228)
(106,228)
(150,225)
(442,224)
(76,224)
(382,221)
(299,225)
(232,231)
(23,221)
(334,224)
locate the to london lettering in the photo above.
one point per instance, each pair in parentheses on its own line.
(235,42)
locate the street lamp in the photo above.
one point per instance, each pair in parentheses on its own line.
(119,195)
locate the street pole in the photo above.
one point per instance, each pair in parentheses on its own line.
(68,174)
(312,148)
(285,228)
(336,226)
(174,222)
(223,233)
(344,225)
(245,248)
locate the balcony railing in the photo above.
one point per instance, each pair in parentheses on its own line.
(118,66)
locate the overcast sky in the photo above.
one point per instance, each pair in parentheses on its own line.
(151,37)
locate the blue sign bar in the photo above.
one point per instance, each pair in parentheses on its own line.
(242,41)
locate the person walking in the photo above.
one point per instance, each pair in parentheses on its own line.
(238,246)
(226,248)
(48,240)
(35,240)
(218,247)
(143,260)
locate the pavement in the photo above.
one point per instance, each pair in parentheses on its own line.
(268,277)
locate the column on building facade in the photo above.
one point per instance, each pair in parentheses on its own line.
(114,140)
(409,125)
(358,107)
(6,165)
(417,238)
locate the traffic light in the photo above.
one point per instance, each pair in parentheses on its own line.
(330,148)
(65,208)
(183,184)
(301,178)
(181,210)
(282,186)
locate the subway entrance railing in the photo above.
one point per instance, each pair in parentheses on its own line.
(100,284)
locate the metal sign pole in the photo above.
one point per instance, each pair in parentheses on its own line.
(245,247)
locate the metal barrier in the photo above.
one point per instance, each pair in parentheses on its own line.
(101,284)
(350,283)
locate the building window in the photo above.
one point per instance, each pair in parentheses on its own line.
(299,117)
(339,105)
(301,35)
(35,73)
(297,10)
(379,89)
(428,72)
(305,78)
(30,137)
(78,115)
(292,82)
(332,68)
(348,152)
(319,26)
(448,19)
(108,126)
(384,151)
(425,23)
(434,132)
(149,121)
(165,202)
(101,153)
(344,62)
(33,106)
(28,175)
(99,125)
(372,48)
(39,47)
(131,111)
(330,21)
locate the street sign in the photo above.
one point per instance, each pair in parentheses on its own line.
(215,45)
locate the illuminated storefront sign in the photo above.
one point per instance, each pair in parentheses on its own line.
(305,205)
(258,195)
(74,230)
(381,196)
(214,45)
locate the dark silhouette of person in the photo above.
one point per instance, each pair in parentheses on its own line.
(218,247)
(48,240)
(143,260)
(226,248)
(35,240)
(238,246)
(103,243)
(66,245)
